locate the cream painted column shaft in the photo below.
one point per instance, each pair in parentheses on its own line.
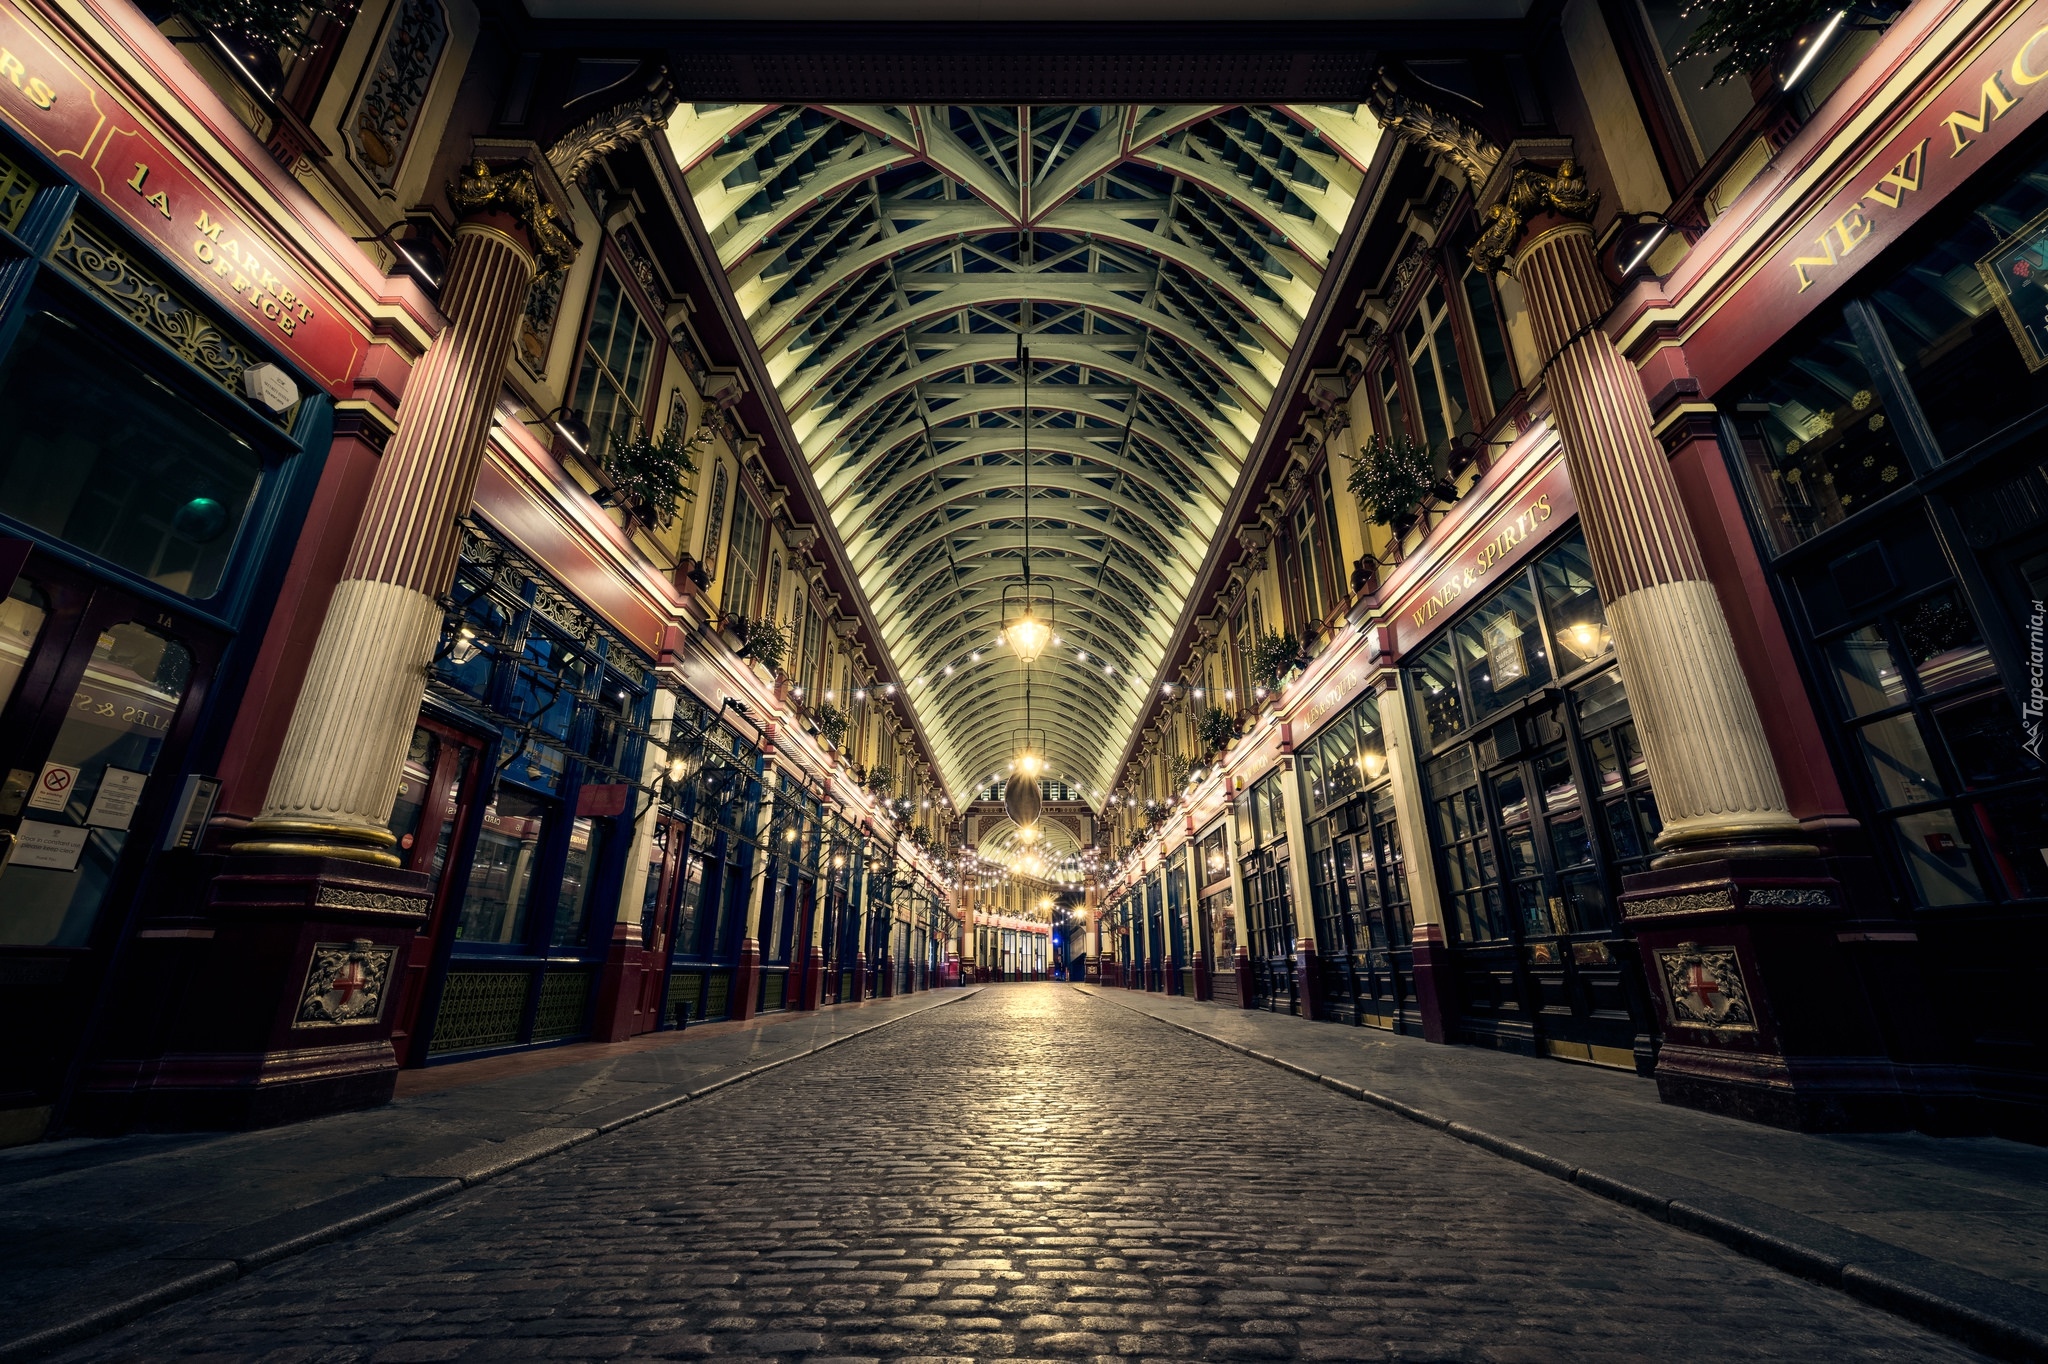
(1237,911)
(634,890)
(1411,811)
(1297,852)
(1710,764)
(338,773)
(757,884)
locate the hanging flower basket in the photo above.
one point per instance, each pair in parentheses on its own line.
(1391,478)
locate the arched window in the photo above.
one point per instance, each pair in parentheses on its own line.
(774,585)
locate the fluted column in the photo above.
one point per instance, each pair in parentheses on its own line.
(1429,960)
(1710,764)
(338,774)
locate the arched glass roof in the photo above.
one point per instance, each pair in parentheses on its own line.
(1158,262)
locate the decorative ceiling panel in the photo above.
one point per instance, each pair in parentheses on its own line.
(1157,262)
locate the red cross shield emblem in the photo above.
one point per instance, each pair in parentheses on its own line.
(1704,988)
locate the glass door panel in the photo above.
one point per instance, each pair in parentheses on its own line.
(500,890)
(77,818)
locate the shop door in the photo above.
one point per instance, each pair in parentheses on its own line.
(1541,965)
(434,799)
(99,692)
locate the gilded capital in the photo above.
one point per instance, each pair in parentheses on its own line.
(1431,129)
(514,192)
(1530,193)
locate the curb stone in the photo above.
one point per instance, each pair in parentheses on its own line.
(1972,1326)
(103,1319)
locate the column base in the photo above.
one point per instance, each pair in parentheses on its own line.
(1431,970)
(812,994)
(1764,1015)
(1308,978)
(1243,968)
(622,1006)
(860,976)
(885,985)
(269,1001)
(746,982)
(1204,989)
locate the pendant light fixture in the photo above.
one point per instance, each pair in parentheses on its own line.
(1027,631)
(1028,635)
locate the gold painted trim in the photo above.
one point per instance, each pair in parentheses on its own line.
(340,852)
(1679,413)
(353,833)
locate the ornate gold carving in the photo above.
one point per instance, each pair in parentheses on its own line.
(150,303)
(1677,904)
(1531,192)
(1431,129)
(1781,895)
(379,901)
(616,127)
(515,193)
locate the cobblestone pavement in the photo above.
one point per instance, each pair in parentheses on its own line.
(1025,1174)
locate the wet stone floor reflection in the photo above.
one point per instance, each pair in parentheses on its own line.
(1026,1173)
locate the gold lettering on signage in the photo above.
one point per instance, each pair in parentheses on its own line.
(1804,263)
(246,273)
(1901,179)
(1457,582)
(1852,227)
(35,87)
(2020,74)
(1993,99)
(159,201)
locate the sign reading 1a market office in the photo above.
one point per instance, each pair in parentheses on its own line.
(52,99)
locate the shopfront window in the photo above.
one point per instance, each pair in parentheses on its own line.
(582,867)
(22,614)
(1973,365)
(500,890)
(1820,443)
(1916,593)
(1544,801)
(1939,744)
(70,839)
(150,483)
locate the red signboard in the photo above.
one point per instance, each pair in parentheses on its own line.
(55,103)
(1542,504)
(1980,108)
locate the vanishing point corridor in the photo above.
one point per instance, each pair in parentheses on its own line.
(1024,1173)
(817,680)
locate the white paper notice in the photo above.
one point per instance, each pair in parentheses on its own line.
(114,806)
(53,787)
(48,845)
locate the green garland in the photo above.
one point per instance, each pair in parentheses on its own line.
(1747,33)
(1391,477)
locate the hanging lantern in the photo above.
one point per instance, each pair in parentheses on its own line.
(1027,631)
